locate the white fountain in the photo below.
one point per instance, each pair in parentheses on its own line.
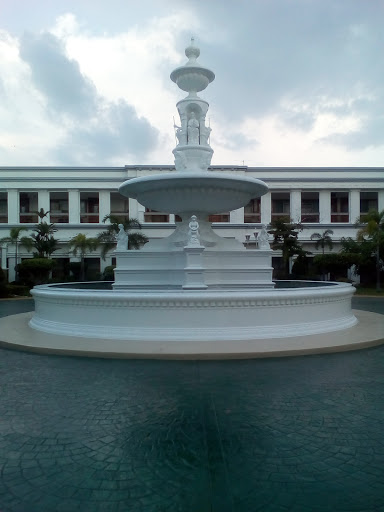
(194,293)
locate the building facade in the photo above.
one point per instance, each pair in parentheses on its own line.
(78,198)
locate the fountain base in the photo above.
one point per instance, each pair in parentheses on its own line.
(17,334)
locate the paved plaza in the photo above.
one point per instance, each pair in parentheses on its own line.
(271,435)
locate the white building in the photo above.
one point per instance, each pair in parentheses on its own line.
(79,198)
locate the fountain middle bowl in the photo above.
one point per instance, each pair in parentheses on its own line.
(204,192)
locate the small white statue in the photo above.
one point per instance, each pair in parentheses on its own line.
(263,238)
(204,135)
(179,133)
(122,239)
(193,233)
(193,130)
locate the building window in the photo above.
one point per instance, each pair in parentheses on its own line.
(219,217)
(3,207)
(252,211)
(58,207)
(119,205)
(310,207)
(89,207)
(368,201)
(280,202)
(339,207)
(28,207)
(154,216)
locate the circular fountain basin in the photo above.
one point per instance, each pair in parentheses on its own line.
(189,316)
(198,192)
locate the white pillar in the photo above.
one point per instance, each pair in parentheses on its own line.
(266,208)
(140,212)
(325,206)
(3,263)
(237,216)
(295,205)
(381,200)
(133,208)
(104,204)
(43,202)
(354,205)
(11,268)
(171,218)
(74,206)
(13,207)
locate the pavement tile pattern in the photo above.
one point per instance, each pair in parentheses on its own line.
(302,434)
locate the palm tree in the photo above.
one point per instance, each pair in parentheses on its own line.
(108,237)
(373,229)
(323,239)
(81,244)
(285,238)
(41,213)
(15,239)
(43,239)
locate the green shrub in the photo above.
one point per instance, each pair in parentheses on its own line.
(35,271)
(108,274)
(18,289)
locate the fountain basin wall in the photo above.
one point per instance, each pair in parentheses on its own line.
(181,315)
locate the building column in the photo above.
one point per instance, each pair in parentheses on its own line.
(266,208)
(354,205)
(43,202)
(325,206)
(237,216)
(3,261)
(133,208)
(380,200)
(104,204)
(295,206)
(140,213)
(74,206)
(11,268)
(13,207)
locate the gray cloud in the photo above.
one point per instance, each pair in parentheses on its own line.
(118,132)
(57,77)
(98,131)
(269,54)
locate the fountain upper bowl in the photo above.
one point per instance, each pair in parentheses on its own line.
(201,193)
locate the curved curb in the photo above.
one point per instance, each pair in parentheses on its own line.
(16,334)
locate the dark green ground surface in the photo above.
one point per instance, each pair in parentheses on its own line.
(288,434)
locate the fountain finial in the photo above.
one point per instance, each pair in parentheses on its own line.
(192,52)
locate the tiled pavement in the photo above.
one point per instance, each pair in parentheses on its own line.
(290,434)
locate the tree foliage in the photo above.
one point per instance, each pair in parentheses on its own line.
(336,264)
(43,240)
(371,232)
(323,240)
(15,239)
(285,238)
(35,271)
(81,245)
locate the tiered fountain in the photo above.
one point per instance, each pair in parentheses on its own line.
(193,293)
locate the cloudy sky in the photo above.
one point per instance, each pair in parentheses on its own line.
(86,82)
